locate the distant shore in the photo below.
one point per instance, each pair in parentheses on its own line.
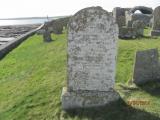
(22,18)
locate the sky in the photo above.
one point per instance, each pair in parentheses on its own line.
(38,8)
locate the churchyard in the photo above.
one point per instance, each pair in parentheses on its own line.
(98,78)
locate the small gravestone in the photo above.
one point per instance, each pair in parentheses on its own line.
(139,26)
(146,66)
(46,33)
(92,48)
(156,22)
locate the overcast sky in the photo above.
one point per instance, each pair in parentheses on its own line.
(36,8)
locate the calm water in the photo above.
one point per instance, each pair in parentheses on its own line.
(24,21)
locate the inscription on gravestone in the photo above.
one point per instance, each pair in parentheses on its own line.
(92,46)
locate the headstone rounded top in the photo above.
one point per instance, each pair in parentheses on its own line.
(85,17)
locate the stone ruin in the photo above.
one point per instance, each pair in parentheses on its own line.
(156,22)
(92,49)
(127,20)
(147,66)
(145,15)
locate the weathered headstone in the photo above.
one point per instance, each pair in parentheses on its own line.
(146,66)
(156,22)
(139,26)
(46,34)
(92,47)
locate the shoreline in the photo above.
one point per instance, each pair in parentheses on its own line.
(7,31)
(21,25)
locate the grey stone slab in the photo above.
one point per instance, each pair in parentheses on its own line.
(92,49)
(146,66)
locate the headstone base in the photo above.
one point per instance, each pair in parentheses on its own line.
(87,99)
(155,33)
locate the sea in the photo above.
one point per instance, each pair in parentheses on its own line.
(24,21)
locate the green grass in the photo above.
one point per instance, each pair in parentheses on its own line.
(33,74)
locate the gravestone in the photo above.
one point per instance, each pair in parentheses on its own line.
(46,34)
(92,48)
(146,66)
(139,26)
(156,22)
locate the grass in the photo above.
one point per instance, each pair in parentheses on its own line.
(33,74)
